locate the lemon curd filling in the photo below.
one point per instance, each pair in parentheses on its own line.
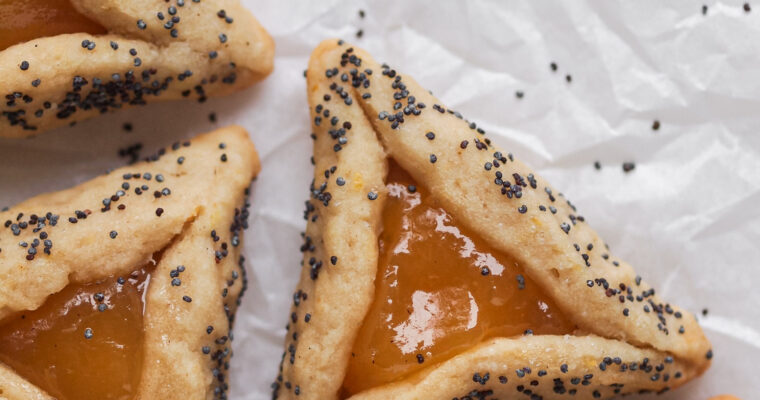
(24,20)
(83,343)
(440,290)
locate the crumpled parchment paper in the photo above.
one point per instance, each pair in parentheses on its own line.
(687,217)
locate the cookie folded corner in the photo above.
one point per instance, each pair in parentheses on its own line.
(438,266)
(119,54)
(126,286)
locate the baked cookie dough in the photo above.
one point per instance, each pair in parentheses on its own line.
(126,286)
(63,61)
(437,266)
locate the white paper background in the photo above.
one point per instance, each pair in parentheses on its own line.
(687,217)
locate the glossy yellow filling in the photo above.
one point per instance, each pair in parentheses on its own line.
(440,290)
(24,20)
(84,343)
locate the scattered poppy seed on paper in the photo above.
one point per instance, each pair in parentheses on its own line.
(519,94)
(628,166)
(131,152)
(656,125)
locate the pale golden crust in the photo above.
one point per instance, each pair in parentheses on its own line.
(347,229)
(14,387)
(175,330)
(245,57)
(207,192)
(497,363)
(68,262)
(532,223)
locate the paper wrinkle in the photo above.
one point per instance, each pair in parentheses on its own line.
(687,218)
(734,329)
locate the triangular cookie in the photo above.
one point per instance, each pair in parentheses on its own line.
(437,266)
(126,286)
(63,61)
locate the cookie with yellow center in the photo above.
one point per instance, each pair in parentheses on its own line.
(126,286)
(63,61)
(438,266)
